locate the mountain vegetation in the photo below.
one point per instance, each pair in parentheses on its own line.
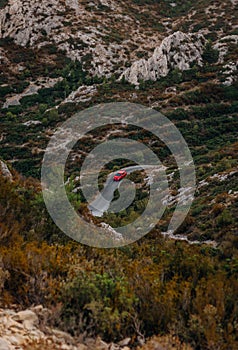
(162,292)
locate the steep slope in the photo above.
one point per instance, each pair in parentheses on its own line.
(60,57)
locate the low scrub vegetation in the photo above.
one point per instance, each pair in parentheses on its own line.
(141,289)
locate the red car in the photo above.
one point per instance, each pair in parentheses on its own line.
(119,175)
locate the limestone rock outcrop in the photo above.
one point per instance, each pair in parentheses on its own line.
(4,171)
(230,73)
(69,25)
(178,50)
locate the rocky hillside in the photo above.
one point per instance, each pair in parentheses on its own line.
(76,27)
(129,29)
(178,50)
(179,57)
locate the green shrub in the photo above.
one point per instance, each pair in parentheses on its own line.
(99,302)
(210,55)
(52,115)
(224,219)
(5,90)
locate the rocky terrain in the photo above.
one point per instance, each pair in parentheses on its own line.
(60,57)
(62,23)
(179,50)
(26,330)
(106,48)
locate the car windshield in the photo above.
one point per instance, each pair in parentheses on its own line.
(119,174)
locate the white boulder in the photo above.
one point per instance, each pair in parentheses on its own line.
(28,318)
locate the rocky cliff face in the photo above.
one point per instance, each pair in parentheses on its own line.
(178,50)
(76,28)
(108,35)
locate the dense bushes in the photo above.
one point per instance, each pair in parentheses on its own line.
(151,287)
(98,304)
(150,293)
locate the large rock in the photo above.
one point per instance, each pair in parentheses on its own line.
(4,171)
(230,71)
(223,44)
(28,318)
(178,50)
